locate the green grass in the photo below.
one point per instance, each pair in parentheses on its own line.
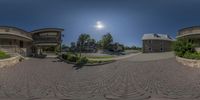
(99,57)
(3,55)
(98,61)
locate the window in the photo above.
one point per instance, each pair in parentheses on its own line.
(161,49)
(21,44)
(150,49)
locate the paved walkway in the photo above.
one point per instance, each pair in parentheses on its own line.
(150,56)
(49,79)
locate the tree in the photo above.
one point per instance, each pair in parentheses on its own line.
(73,47)
(106,40)
(64,47)
(82,40)
(91,45)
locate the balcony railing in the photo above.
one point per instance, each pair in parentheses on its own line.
(46,40)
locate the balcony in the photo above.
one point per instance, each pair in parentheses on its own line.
(46,40)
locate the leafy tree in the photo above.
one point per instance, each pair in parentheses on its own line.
(64,47)
(91,45)
(82,40)
(106,40)
(73,47)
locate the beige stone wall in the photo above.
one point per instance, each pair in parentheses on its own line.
(9,61)
(156,46)
(189,62)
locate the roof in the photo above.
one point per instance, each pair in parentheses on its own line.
(14,28)
(20,33)
(153,36)
(47,29)
(188,28)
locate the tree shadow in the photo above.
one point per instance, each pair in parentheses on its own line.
(77,66)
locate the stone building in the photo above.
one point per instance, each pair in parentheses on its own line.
(156,43)
(42,41)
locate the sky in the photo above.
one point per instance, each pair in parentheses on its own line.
(126,20)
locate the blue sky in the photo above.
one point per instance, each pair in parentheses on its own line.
(127,20)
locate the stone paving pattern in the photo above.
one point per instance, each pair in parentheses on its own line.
(49,79)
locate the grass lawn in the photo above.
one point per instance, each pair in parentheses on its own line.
(93,61)
(100,57)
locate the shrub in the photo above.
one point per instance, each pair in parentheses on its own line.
(81,61)
(64,56)
(72,58)
(182,46)
(3,55)
(189,55)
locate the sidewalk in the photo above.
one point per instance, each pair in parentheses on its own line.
(119,58)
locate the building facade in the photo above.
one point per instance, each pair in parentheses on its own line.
(42,41)
(192,34)
(156,43)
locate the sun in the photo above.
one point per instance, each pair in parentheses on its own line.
(99,25)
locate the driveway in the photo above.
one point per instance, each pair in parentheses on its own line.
(127,79)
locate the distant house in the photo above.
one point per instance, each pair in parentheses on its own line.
(156,43)
(41,41)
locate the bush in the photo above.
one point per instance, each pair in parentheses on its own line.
(64,56)
(3,55)
(72,58)
(182,46)
(81,61)
(189,55)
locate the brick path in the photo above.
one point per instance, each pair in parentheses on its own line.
(39,79)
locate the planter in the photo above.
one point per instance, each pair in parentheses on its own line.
(9,61)
(189,62)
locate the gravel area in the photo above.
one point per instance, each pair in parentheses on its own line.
(127,79)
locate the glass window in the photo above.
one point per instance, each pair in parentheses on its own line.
(21,44)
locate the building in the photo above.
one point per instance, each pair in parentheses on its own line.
(192,33)
(42,41)
(156,43)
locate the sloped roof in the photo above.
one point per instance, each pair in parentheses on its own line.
(153,36)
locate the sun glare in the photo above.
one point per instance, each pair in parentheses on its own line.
(99,25)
